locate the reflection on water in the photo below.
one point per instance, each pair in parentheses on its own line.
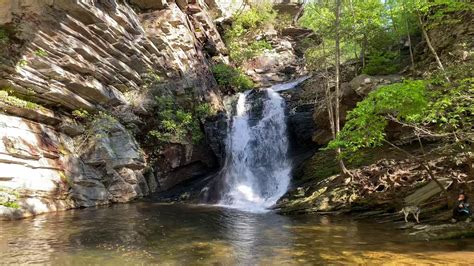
(147,233)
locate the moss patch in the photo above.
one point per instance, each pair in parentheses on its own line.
(7,97)
(9,198)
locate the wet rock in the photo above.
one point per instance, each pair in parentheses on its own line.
(443,231)
(185,163)
(216,133)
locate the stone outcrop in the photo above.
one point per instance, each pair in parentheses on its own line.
(284,61)
(66,55)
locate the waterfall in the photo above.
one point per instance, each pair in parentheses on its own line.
(257,171)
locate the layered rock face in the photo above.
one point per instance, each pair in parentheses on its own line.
(66,55)
(283,62)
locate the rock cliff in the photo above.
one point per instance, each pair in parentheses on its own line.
(62,56)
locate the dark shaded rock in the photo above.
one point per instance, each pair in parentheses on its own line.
(216,134)
(178,163)
(301,124)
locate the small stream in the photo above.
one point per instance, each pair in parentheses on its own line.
(151,233)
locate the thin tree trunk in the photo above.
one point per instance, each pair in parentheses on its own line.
(328,94)
(409,44)
(430,171)
(433,51)
(338,85)
(354,29)
(363,50)
(299,14)
(398,36)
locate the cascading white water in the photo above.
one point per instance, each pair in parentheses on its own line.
(257,171)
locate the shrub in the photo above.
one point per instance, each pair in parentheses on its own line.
(22,63)
(3,37)
(205,110)
(240,37)
(41,53)
(178,124)
(230,77)
(98,125)
(81,113)
(8,198)
(365,125)
(252,19)
(381,64)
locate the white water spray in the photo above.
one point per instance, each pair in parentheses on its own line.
(257,172)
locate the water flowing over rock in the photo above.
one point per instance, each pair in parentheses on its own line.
(257,170)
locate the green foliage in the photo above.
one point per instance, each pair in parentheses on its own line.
(230,77)
(372,27)
(178,124)
(102,123)
(240,52)
(4,39)
(8,198)
(317,56)
(362,23)
(446,107)
(252,19)
(283,21)
(381,64)
(98,125)
(22,63)
(41,53)
(240,37)
(204,111)
(152,77)
(366,123)
(7,97)
(437,10)
(66,179)
(13,205)
(81,114)
(451,106)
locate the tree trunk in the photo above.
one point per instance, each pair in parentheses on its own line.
(410,44)
(338,86)
(433,51)
(329,104)
(427,167)
(299,14)
(354,29)
(363,50)
(398,37)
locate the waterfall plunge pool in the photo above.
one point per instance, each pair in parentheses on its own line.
(151,233)
(257,173)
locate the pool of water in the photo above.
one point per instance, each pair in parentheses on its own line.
(150,233)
